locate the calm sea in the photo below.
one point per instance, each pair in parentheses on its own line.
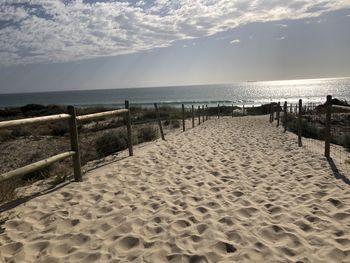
(248,93)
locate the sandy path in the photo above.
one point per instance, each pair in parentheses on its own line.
(231,190)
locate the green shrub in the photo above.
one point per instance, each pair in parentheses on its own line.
(175,124)
(111,142)
(308,129)
(148,133)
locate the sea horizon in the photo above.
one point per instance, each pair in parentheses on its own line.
(249,93)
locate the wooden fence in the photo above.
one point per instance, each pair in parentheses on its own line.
(275,109)
(202,114)
(72,120)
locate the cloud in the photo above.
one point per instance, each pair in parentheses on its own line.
(44,31)
(281,25)
(236,41)
(281,38)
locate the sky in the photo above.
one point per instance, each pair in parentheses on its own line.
(50,45)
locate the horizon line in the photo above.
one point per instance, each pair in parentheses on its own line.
(174,86)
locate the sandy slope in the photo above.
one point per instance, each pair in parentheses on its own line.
(231,190)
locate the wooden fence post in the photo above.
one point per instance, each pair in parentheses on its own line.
(128,128)
(206,112)
(203,115)
(159,121)
(285,115)
(74,142)
(291,109)
(232,111)
(199,115)
(278,113)
(327,146)
(299,123)
(243,109)
(270,112)
(192,117)
(183,118)
(218,111)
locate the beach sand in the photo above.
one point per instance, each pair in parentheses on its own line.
(230,190)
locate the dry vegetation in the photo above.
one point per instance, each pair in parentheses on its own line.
(100,138)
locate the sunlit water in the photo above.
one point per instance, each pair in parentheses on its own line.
(248,93)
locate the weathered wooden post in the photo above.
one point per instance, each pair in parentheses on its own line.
(199,115)
(232,111)
(183,118)
(203,115)
(218,111)
(74,142)
(206,112)
(270,112)
(296,109)
(291,108)
(192,117)
(299,123)
(327,146)
(285,117)
(243,110)
(278,113)
(128,128)
(159,121)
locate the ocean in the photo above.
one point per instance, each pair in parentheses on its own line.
(247,93)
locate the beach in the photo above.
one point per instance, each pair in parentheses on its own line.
(229,190)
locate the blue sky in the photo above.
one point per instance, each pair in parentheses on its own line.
(90,44)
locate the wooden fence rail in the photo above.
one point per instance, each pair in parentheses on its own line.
(16,123)
(74,139)
(35,166)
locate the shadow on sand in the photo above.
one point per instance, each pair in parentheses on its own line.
(13,203)
(337,174)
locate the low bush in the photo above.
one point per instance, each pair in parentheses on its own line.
(59,129)
(39,174)
(345,141)
(60,172)
(308,129)
(8,190)
(111,142)
(148,133)
(20,132)
(175,124)
(261,110)
(5,135)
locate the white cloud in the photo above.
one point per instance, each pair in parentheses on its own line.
(281,25)
(36,31)
(235,41)
(281,38)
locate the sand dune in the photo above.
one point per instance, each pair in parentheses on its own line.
(230,190)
